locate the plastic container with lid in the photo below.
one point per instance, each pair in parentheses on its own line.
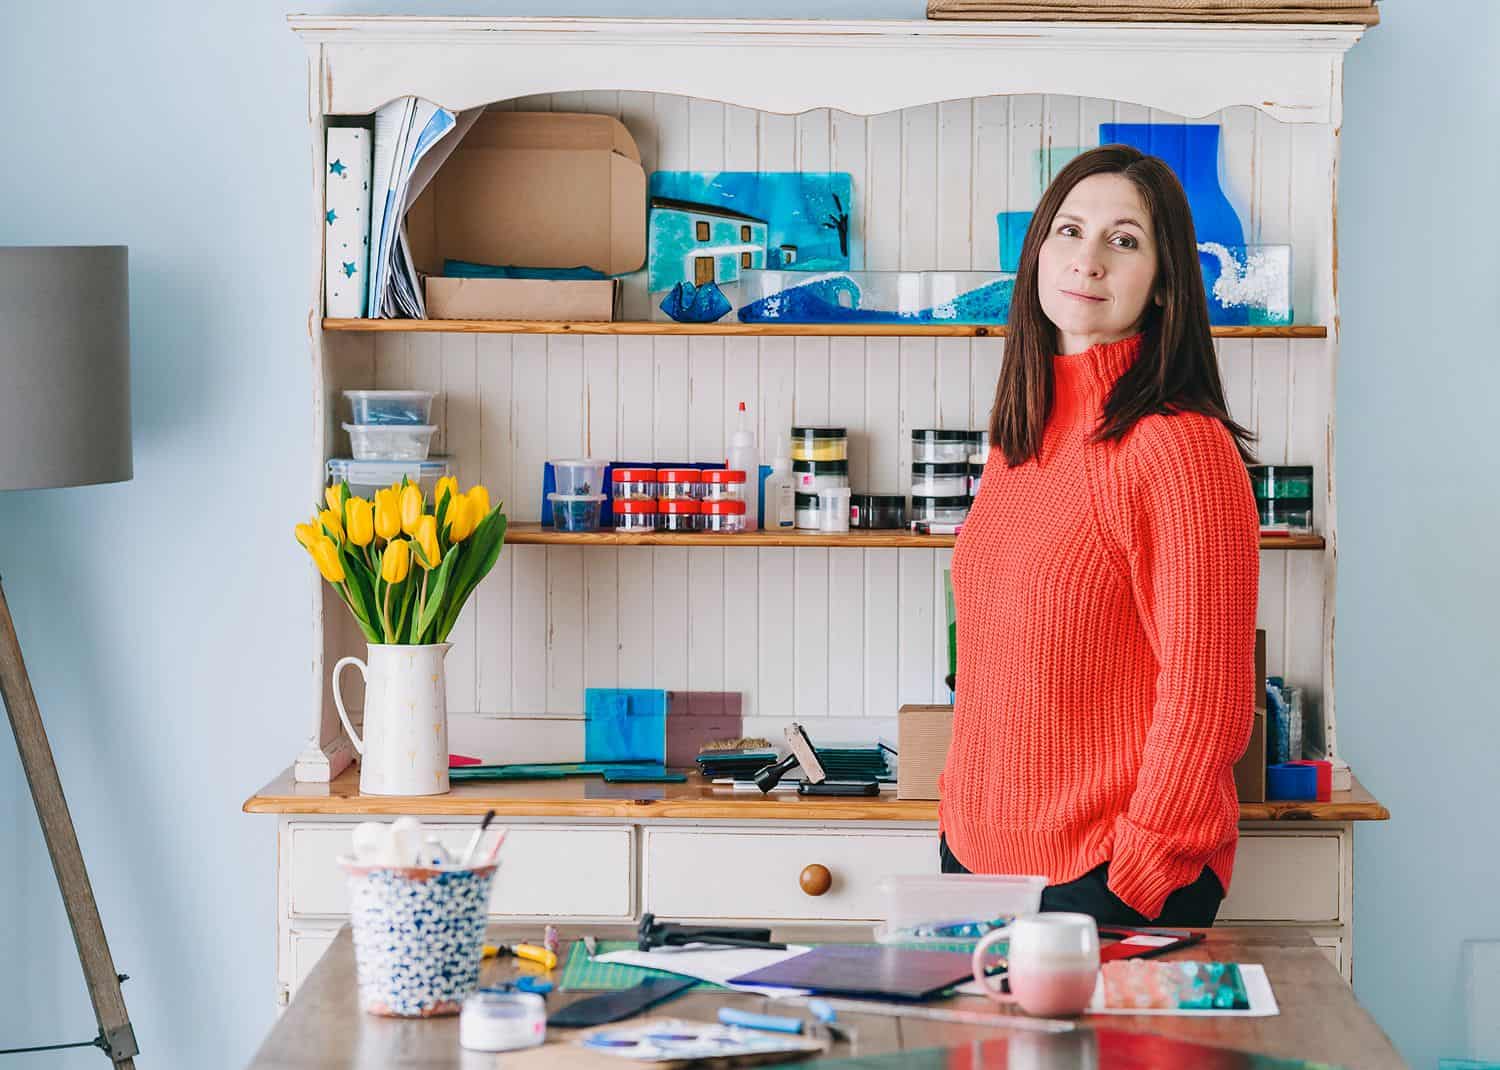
(833,509)
(873,512)
(807,511)
(820,444)
(976,473)
(720,484)
(390,442)
(637,483)
(366,477)
(1291,516)
(410,408)
(942,908)
(1282,481)
(949,509)
(937,446)
(637,514)
(946,480)
(724,515)
(582,476)
(677,514)
(809,477)
(679,483)
(576,512)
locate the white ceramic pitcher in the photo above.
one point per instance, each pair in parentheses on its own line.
(405,746)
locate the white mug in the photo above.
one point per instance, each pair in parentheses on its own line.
(1052,963)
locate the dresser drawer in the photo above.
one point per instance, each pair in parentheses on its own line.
(1285,878)
(545,870)
(728,874)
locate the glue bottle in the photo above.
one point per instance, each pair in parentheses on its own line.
(743,457)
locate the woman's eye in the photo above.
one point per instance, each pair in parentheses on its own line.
(1068,230)
(1125,241)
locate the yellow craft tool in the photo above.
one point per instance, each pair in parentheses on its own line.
(547,959)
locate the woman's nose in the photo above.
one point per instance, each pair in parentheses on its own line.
(1088,264)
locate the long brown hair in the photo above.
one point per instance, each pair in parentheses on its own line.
(1176,370)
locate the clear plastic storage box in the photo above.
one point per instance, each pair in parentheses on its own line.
(366,477)
(388,407)
(390,442)
(576,512)
(948,907)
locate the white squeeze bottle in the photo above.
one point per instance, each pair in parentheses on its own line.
(781,494)
(742,456)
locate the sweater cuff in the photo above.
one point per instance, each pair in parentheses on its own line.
(1145,867)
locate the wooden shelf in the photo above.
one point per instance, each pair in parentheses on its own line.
(531,534)
(761,330)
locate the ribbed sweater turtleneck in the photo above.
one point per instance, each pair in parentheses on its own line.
(1105,595)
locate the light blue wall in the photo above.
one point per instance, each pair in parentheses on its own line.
(164,619)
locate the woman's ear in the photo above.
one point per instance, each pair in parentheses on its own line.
(1160,298)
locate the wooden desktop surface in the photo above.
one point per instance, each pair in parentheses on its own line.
(1319,1018)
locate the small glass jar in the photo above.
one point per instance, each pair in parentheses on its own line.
(807,512)
(952,509)
(1286,516)
(723,484)
(934,446)
(677,514)
(833,509)
(679,483)
(724,515)
(1282,481)
(820,444)
(948,480)
(634,483)
(873,512)
(810,477)
(635,515)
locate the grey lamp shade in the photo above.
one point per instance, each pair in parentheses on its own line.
(64,366)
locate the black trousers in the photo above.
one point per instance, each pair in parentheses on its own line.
(1193,906)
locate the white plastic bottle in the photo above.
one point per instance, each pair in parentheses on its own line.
(781,495)
(743,456)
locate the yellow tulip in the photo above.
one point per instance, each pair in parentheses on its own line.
(388,513)
(396,562)
(479,502)
(359,521)
(449,484)
(411,508)
(332,524)
(334,495)
(306,533)
(426,538)
(326,554)
(460,518)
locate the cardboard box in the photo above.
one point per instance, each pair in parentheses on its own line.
(922,737)
(536,190)
(1250,770)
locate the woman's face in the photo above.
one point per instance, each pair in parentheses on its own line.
(1097,270)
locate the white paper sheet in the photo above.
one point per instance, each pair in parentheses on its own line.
(715,964)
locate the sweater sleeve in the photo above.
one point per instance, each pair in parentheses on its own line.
(1192,540)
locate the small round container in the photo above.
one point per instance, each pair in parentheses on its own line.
(810,477)
(947,480)
(935,446)
(677,514)
(394,442)
(1282,481)
(875,512)
(833,509)
(576,512)
(807,512)
(982,439)
(1291,516)
(725,515)
(952,509)
(409,408)
(584,476)
(976,471)
(679,483)
(636,483)
(635,515)
(820,444)
(502,1021)
(723,484)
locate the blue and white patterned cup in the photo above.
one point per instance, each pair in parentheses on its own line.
(418,936)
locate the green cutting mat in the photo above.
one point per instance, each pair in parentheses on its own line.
(581,973)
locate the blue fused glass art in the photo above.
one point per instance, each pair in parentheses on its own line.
(625,725)
(686,303)
(874,297)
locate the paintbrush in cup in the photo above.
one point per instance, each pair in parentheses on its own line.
(473,844)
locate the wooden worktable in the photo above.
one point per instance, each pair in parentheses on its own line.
(590,797)
(1319,1019)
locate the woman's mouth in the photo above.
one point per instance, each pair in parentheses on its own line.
(1083,297)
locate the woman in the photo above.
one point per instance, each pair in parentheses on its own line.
(1105,581)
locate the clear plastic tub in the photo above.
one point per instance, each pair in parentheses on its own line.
(940,480)
(580,477)
(366,477)
(723,484)
(1282,481)
(820,444)
(942,908)
(725,515)
(410,408)
(677,514)
(637,515)
(808,514)
(810,477)
(1290,516)
(833,509)
(679,483)
(935,446)
(576,512)
(637,483)
(877,511)
(953,509)
(976,472)
(392,442)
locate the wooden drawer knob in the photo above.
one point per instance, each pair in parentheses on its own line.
(815,879)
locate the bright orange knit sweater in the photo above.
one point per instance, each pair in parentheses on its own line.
(1106,644)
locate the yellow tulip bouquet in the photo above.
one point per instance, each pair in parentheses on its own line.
(404,572)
